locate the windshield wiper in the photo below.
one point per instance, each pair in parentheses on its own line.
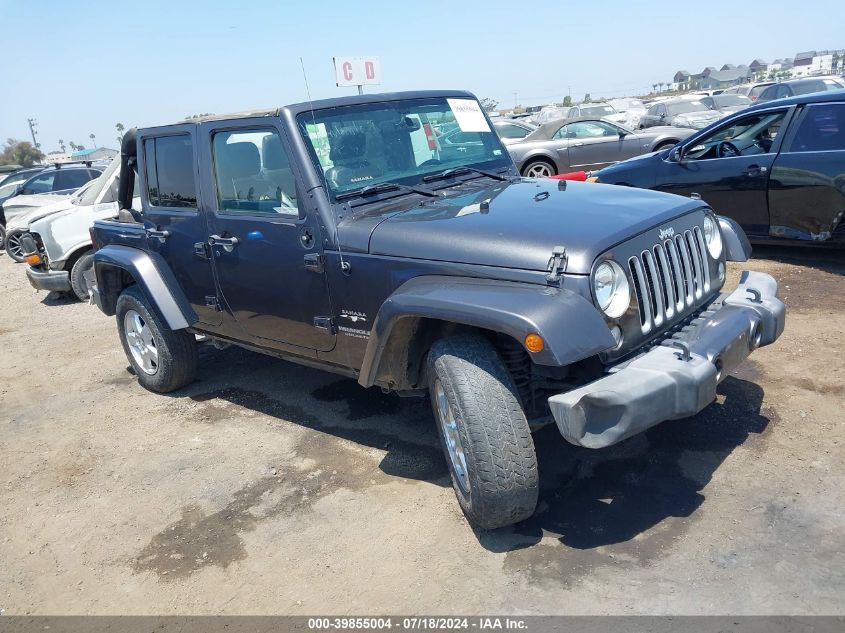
(381,187)
(456,171)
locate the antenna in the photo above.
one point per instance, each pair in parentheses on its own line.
(345,266)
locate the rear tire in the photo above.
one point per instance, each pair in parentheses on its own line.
(13,246)
(77,276)
(163,359)
(484,432)
(663,146)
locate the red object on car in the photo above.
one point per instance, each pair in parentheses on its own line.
(572,175)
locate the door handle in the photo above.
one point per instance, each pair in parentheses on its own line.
(577,144)
(755,170)
(159,235)
(228,243)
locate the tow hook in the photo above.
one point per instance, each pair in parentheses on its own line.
(684,354)
(755,295)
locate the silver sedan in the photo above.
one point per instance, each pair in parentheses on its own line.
(586,143)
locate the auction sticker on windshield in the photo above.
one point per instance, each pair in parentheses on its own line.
(468,115)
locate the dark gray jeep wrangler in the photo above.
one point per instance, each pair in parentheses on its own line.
(365,236)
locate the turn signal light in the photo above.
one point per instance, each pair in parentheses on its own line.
(534,343)
(33,260)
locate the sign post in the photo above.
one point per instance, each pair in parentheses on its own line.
(357,71)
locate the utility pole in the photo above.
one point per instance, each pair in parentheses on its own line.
(33,124)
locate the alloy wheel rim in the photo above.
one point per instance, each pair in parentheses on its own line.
(141,343)
(13,245)
(539,170)
(449,428)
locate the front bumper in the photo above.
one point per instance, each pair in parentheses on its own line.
(57,280)
(677,378)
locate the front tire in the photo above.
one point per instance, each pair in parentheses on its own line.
(163,359)
(77,276)
(14,248)
(483,431)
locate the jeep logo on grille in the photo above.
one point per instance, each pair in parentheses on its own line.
(666,233)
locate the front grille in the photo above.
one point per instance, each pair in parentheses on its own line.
(670,278)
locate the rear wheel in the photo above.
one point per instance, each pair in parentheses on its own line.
(539,169)
(14,248)
(665,145)
(163,359)
(483,431)
(77,276)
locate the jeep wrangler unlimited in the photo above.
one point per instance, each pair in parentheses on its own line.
(348,234)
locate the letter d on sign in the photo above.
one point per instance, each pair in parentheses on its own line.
(369,70)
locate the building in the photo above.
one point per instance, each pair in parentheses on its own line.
(97,153)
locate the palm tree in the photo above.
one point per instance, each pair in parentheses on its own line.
(654,87)
(93,142)
(119,127)
(660,84)
(73,145)
(62,144)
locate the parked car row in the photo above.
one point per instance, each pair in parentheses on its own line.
(392,239)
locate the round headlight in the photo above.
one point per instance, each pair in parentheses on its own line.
(610,286)
(712,236)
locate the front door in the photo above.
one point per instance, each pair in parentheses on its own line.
(265,248)
(730,168)
(597,144)
(175,224)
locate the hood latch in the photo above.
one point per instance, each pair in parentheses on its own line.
(557,264)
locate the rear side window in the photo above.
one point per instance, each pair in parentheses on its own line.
(511,131)
(252,173)
(169,163)
(822,129)
(807,87)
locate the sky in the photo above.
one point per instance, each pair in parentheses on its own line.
(79,67)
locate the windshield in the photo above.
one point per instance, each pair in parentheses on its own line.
(731,100)
(400,141)
(679,107)
(597,110)
(91,193)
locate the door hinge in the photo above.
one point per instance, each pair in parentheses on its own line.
(325,323)
(315,262)
(212,302)
(557,264)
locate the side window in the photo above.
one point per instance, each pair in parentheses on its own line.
(170,171)
(750,135)
(589,129)
(512,131)
(561,133)
(822,129)
(70,179)
(40,184)
(252,173)
(652,111)
(661,110)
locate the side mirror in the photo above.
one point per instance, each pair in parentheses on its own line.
(622,133)
(674,155)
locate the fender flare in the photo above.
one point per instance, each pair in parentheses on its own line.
(152,275)
(572,328)
(737,246)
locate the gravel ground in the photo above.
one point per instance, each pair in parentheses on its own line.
(266,487)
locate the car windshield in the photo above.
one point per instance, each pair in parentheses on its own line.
(597,110)
(90,194)
(731,100)
(398,141)
(680,107)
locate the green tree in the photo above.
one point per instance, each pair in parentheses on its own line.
(567,101)
(119,127)
(587,98)
(20,153)
(62,145)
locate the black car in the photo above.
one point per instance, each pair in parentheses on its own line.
(777,168)
(795,87)
(337,234)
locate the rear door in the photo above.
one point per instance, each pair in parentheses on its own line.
(174,224)
(734,185)
(806,189)
(265,247)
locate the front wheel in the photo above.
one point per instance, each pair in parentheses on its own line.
(483,431)
(77,276)
(163,359)
(14,248)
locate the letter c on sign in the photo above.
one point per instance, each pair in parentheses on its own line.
(369,70)
(347,71)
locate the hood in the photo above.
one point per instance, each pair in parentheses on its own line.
(24,216)
(523,221)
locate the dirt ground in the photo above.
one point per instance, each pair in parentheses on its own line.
(266,487)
